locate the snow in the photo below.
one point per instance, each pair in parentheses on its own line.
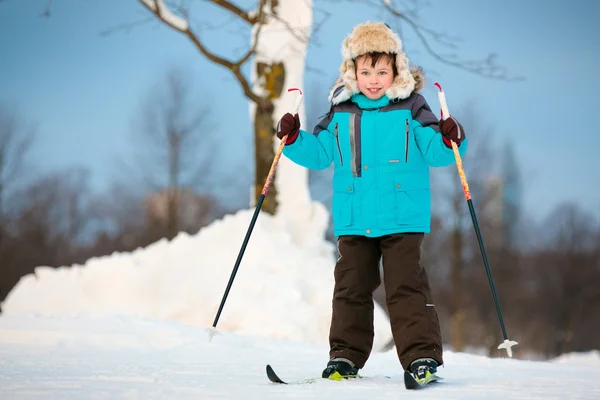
(283,287)
(589,358)
(166,14)
(136,325)
(115,357)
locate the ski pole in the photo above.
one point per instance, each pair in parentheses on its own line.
(507,344)
(263,194)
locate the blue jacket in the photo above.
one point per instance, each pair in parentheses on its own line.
(382,152)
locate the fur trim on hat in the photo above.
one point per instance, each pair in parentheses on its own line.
(371,37)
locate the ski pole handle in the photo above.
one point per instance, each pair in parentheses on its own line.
(298,99)
(297,104)
(443,104)
(459,164)
(281,145)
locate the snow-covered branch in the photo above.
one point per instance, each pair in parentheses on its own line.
(162,11)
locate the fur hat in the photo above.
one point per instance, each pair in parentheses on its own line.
(371,37)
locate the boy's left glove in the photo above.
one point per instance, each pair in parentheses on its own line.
(451,130)
(288,125)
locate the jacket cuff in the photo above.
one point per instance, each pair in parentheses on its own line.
(447,142)
(292,137)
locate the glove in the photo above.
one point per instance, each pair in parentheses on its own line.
(288,125)
(451,130)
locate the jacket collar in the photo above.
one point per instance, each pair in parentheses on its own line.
(365,103)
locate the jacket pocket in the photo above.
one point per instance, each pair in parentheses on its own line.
(337,141)
(343,200)
(413,201)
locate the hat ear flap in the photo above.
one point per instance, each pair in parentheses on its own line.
(404,82)
(348,71)
(346,53)
(401,62)
(346,85)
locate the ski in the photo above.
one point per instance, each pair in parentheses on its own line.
(412,384)
(273,377)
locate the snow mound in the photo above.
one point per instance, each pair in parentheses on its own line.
(587,358)
(282,290)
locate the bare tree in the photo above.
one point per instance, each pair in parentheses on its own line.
(52,211)
(15,143)
(553,299)
(176,152)
(449,201)
(568,280)
(119,211)
(270,74)
(49,220)
(16,138)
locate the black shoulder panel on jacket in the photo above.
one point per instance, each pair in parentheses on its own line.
(422,113)
(346,106)
(404,104)
(323,123)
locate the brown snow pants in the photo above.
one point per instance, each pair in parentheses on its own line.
(414,321)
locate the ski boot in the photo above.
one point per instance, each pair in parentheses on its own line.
(340,368)
(424,370)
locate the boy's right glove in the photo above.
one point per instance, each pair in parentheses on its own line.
(288,125)
(451,130)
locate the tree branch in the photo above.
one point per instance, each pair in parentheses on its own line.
(127,26)
(317,25)
(486,67)
(158,8)
(246,16)
(252,50)
(290,29)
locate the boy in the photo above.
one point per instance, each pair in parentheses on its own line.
(382,138)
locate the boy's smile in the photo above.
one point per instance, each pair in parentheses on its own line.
(374,91)
(373,81)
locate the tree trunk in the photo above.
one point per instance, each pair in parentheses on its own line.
(572,318)
(273,76)
(172,214)
(277,67)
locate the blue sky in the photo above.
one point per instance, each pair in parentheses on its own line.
(83,90)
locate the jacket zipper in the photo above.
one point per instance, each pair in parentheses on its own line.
(337,140)
(407,136)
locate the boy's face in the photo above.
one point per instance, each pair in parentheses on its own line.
(374,81)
